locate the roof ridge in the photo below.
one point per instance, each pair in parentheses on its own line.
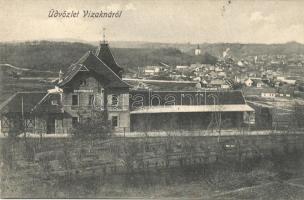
(97,50)
(47,94)
(82,57)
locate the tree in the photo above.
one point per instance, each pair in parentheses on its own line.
(299,115)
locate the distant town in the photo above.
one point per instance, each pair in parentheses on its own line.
(267,76)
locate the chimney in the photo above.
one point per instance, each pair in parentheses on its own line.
(60,79)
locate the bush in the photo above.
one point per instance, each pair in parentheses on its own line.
(96,126)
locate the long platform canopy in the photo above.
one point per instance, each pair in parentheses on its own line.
(194,108)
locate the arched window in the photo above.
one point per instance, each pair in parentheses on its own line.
(114,100)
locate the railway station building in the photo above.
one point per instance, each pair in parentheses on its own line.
(94,84)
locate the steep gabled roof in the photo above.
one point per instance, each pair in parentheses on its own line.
(104,53)
(14,103)
(92,63)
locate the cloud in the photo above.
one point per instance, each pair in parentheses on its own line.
(259,17)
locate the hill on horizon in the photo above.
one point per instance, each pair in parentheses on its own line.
(55,55)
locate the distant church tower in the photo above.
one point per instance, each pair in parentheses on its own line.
(197,51)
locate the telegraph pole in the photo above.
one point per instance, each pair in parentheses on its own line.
(22,114)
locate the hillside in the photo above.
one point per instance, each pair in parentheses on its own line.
(216,49)
(52,56)
(46,56)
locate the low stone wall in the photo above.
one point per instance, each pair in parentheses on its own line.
(72,157)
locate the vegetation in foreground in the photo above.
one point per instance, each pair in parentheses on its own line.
(256,178)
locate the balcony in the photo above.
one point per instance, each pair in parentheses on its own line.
(117,108)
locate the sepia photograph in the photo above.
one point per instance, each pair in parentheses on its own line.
(150,99)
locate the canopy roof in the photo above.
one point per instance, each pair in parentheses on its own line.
(21,102)
(197,108)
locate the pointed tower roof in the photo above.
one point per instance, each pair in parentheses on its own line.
(104,53)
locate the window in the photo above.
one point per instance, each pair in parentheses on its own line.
(74,121)
(114,100)
(83,83)
(75,100)
(91,99)
(54,102)
(114,121)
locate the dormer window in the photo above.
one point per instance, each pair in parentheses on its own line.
(54,102)
(83,82)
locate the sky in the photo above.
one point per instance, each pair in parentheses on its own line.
(168,21)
